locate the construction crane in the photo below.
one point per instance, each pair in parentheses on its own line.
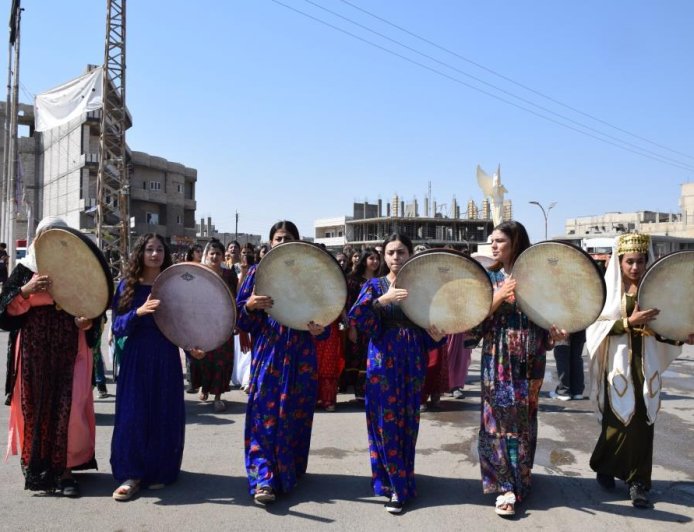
(113,178)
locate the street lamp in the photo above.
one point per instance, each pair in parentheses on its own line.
(544,213)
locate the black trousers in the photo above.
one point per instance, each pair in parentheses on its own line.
(569,361)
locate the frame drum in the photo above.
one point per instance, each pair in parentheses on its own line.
(81,281)
(196,309)
(446,289)
(668,285)
(305,283)
(559,284)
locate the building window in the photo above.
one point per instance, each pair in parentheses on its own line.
(144,185)
(154,185)
(153,218)
(179,188)
(178,219)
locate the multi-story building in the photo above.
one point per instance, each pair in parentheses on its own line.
(439,225)
(679,224)
(58,170)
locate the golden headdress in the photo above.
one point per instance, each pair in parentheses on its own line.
(633,243)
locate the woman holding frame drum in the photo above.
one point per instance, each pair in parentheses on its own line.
(627,359)
(513,367)
(282,391)
(49,376)
(397,362)
(149,428)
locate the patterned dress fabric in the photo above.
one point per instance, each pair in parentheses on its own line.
(149,428)
(513,367)
(51,408)
(282,398)
(331,361)
(397,361)
(354,373)
(212,374)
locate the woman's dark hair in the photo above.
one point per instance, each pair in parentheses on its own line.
(136,267)
(288,226)
(395,237)
(214,243)
(233,242)
(190,253)
(518,236)
(360,267)
(265,248)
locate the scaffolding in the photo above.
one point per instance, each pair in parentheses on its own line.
(113,178)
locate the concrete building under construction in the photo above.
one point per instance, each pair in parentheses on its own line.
(436,225)
(58,170)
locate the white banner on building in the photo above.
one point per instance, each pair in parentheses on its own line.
(68,101)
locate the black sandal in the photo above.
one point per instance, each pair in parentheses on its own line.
(68,487)
(639,495)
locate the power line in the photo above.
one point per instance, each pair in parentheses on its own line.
(510,80)
(495,87)
(636,149)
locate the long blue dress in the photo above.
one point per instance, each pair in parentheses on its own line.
(282,397)
(149,429)
(395,370)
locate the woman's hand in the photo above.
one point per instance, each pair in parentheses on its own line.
(35,285)
(148,307)
(435,333)
(506,291)
(642,317)
(393,295)
(197,354)
(314,328)
(83,323)
(557,334)
(256,302)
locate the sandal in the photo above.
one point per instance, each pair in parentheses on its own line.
(219,405)
(639,495)
(264,495)
(203,396)
(502,505)
(68,487)
(127,490)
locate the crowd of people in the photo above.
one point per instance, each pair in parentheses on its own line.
(373,350)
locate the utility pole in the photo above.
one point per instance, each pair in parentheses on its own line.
(9,212)
(113,179)
(236,229)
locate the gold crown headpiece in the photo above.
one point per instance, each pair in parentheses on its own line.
(633,243)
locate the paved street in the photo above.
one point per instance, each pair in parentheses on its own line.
(211,493)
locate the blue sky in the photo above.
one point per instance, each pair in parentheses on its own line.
(286,117)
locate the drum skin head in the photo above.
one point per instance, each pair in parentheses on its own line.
(196,309)
(81,282)
(305,283)
(559,284)
(668,285)
(445,289)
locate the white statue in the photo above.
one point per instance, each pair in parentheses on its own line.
(494,191)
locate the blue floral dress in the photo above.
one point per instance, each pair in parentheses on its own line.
(513,367)
(149,429)
(282,397)
(396,365)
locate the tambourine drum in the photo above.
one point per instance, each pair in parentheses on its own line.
(81,281)
(445,289)
(196,309)
(305,283)
(668,285)
(559,284)
(485,261)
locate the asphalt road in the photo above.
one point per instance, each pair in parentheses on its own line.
(211,493)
